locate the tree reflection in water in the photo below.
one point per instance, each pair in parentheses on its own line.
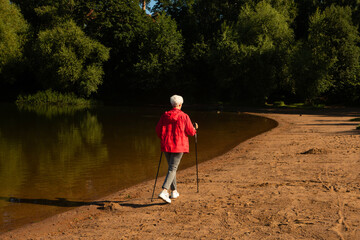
(47,152)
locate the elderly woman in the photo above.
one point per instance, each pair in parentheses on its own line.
(173,129)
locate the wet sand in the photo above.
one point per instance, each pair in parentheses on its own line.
(300,180)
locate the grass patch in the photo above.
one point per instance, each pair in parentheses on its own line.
(279,104)
(295,105)
(50,97)
(52,104)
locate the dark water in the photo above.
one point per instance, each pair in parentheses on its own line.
(52,159)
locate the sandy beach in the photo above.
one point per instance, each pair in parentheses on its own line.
(300,180)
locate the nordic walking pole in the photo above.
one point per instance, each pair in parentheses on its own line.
(156,177)
(197,169)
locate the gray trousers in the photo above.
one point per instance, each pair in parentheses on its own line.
(173,160)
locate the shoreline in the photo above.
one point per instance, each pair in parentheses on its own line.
(275,185)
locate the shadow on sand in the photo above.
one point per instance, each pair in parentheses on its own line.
(63,202)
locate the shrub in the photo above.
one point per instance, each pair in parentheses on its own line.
(50,97)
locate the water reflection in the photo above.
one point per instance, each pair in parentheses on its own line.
(52,159)
(46,152)
(10,165)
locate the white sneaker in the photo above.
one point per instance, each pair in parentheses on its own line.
(165,197)
(175,194)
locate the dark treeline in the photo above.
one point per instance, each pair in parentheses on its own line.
(239,51)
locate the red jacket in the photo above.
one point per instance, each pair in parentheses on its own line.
(173,129)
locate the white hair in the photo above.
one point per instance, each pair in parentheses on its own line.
(176,100)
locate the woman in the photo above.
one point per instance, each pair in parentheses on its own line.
(173,129)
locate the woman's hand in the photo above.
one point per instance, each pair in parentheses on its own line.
(196,126)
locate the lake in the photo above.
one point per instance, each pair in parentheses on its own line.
(53,159)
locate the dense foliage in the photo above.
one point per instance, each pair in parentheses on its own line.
(70,61)
(242,51)
(259,39)
(13,35)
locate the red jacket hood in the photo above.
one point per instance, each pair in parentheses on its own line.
(172,115)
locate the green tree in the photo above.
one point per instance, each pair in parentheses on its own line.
(144,49)
(42,14)
(161,52)
(199,20)
(307,8)
(203,24)
(255,52)
(13,35)
(70,61)
(122,26)
(202,19)
(332,55)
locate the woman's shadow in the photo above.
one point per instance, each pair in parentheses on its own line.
(63,202)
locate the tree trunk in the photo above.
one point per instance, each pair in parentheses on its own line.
(144,5)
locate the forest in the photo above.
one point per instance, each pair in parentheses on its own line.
(209,51)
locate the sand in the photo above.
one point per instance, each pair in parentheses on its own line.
(301,180)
